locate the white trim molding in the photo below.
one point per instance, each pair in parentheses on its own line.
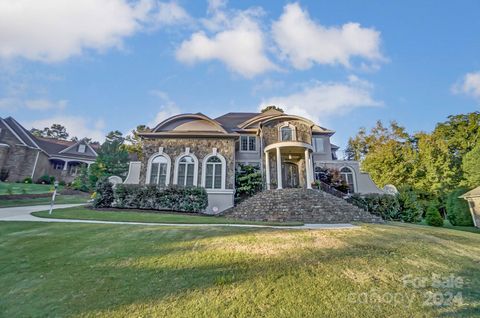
(289,125)
(223,171)
(354,175)
(195,166)
(160,153)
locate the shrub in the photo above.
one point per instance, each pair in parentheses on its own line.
(433,216)
(62,183)
(46,179)
(383,205)
(458,212)
(188,199)
(410,206)
(248,181)
(104,197)
(4,174)
(27,180)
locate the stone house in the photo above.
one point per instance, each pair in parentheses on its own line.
(24,155)
(195,150)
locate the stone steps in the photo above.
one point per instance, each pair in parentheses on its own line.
(304,205)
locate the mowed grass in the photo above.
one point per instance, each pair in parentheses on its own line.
(86,213)
(60,199)
(25,188)
(87,270)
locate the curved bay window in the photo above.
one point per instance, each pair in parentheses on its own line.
(158,171)
(286,133)
(347,176)
(186,170)
(213,174)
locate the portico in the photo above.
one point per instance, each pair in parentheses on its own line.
(288,164)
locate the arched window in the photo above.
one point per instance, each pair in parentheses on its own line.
(213,173)
(158,171)
(287,133)
(347,176)
(186,171)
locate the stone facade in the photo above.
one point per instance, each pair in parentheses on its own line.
(308,206)
(270,131)
(200,147)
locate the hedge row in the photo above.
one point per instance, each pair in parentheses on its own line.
(151,197)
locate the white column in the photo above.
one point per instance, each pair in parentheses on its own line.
(267,169)
(307,168)
(279,169)
(65,165)
(312,175)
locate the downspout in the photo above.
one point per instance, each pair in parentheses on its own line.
(35,164)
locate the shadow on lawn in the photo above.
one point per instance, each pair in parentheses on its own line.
(117,266)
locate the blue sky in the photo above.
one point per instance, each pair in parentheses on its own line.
(97,66)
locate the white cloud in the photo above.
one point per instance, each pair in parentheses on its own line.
(54,30)
(170,13)
(304,42)
(469,85)
(45,104)
(321,100)
(13,103)
(76,126)
(237,41)
(168,108)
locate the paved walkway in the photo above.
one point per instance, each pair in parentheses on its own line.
(24,214)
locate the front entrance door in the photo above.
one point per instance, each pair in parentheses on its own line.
(290,175)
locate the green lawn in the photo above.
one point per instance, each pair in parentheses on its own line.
(84,213)
(60,199)
(97,270)
(25,188)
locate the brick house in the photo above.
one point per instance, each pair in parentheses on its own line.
(24,155)
(195,150)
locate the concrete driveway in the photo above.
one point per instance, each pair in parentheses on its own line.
(24,214)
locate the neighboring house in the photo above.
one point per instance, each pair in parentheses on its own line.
(473,198)
(24,155)
(195,150)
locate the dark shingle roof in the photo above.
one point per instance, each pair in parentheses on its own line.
(230,121)
(21,132)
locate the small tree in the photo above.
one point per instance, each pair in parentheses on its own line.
(410,208)
(248,181)
(458,212)
(433,216)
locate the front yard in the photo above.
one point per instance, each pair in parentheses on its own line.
(124,215)
(25,188)
(88,270)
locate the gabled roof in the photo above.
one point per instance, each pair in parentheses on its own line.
(471,194)
(20,132)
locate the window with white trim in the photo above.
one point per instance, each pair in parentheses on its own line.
(248,143)
(347,177)
(213,174)
(318,144)
(286,133)
(158,171)
(82,148)
(186,170)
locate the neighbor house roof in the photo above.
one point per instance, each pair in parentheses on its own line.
(471,194)
(50,146)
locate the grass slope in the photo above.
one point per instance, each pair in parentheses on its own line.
(60,199)
(84,213)
(25,188)
(87,270)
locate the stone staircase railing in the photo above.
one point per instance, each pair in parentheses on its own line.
(339,194)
